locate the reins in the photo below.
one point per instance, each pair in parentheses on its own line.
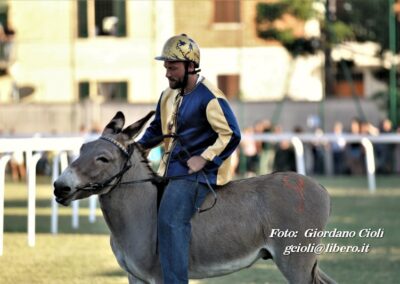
(95,187)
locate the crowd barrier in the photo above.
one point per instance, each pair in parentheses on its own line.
(33,147)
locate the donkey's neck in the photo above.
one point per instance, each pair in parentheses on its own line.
(130,210)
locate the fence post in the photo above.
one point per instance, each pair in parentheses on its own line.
(369,163)
(3,162)
(54,204)
(299,151)
(31,161)
(75,214)
(74,204)
(92,208)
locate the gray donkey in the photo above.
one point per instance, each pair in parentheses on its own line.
(261,217)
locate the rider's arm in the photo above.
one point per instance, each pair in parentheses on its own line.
(223,122)
(153,134)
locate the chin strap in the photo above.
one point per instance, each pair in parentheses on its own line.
(186,76)
(195,71)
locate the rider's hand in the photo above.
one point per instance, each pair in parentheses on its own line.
(196,163)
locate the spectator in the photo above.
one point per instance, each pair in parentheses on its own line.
(17,163)
(367,128)
(384,151)
(285,159)
(318,154)
(249,150)
(43,166)
(265,149)
(354,150)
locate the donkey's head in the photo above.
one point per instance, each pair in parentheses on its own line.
(101,163)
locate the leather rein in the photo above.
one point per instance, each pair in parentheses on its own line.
(95,187)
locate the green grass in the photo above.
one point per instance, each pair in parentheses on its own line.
(84,255)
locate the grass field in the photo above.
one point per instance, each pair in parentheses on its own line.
(84,255)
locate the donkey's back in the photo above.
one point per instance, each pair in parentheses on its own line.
(261,217)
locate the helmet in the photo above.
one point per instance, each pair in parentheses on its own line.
(181,48)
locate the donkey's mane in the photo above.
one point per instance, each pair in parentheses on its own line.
(144,159)
(158,181)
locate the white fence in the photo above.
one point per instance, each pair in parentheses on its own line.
(32,147)
(298,140)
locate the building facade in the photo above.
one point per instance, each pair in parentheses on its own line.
(102,51)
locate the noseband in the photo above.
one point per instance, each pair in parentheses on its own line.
(94,187)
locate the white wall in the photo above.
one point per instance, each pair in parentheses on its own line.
(52,59)
(264,70)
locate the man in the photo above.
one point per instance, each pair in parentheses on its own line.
(205,134)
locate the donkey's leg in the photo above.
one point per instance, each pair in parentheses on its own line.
(296,267)
(134,280)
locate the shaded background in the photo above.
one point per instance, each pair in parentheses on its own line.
(72,64)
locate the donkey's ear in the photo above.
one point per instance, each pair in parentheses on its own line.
(115,125)
(134,129)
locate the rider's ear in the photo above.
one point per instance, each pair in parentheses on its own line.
(115,125)
(134,129)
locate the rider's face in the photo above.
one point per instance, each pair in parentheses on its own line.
(175,72)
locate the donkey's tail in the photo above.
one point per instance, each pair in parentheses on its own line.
(320,277)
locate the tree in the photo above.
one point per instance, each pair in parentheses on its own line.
(269,13)
(367,20)
(269,26)
(344,20)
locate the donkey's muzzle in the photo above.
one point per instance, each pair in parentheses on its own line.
(61,192)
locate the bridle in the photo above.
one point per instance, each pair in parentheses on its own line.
(95,187)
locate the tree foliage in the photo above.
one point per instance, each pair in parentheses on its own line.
(353,20)
(367,19)
(267,13)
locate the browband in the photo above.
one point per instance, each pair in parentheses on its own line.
(116,143)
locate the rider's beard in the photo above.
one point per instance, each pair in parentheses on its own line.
(175,83)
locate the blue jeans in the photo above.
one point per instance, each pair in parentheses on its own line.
(179,203)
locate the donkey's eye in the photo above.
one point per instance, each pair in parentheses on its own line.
(102,159)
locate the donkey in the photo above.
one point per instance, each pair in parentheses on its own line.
(259,217)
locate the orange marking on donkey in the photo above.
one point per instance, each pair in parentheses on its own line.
(298,186)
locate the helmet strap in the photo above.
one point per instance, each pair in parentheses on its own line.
(185,78)
(195,71)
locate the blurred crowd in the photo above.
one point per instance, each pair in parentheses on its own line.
(255,157)
(259,157)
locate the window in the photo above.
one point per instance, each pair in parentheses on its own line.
(84,91)
(6,40)
(229,85)
(103,91)
(226,11)
(348,86)
(101,18)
